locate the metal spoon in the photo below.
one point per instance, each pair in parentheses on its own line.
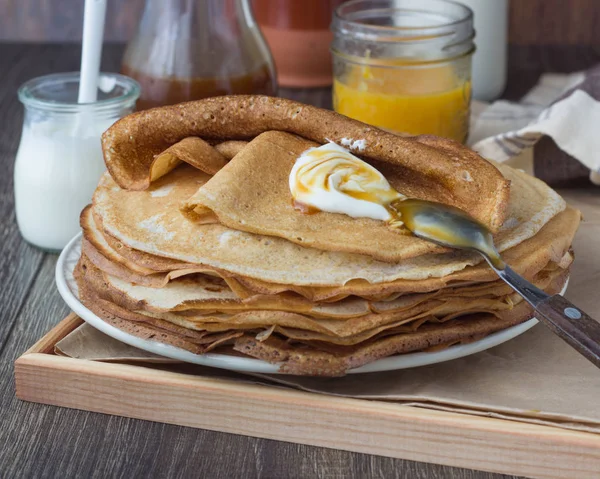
(449,226)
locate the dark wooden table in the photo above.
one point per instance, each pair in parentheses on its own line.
(44,441)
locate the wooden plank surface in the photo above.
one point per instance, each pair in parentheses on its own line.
(45,441)
(531,22)
(301,417)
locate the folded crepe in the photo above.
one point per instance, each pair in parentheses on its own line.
(437,169)
(251,193)
(191,240)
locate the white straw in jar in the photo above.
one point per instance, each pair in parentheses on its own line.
(93,32)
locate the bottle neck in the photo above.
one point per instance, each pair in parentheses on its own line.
(195,18)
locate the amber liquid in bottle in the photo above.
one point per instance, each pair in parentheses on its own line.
(192,49)
(168,91)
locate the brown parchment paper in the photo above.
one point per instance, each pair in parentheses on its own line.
(535,377)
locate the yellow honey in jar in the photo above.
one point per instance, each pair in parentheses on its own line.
(416,101)
(404,65)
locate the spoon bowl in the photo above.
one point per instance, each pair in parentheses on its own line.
(447,226)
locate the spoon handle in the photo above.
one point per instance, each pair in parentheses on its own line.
(573,325)
(565,319)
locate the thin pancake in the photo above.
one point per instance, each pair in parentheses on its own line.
(313,362)
(201,292)
(358,330)
(251,193)
(153,225)
(332,324)
(322,359)
(437,167)
(149,328)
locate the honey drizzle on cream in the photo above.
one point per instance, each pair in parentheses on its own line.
(330,178)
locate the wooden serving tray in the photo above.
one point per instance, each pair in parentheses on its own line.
(372,427)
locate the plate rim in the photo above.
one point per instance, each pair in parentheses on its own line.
(252,365)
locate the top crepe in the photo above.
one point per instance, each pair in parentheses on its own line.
(251,193)
(438,169)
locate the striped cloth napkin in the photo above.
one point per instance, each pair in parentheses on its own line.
(565,107)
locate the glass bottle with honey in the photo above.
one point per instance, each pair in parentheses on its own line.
(404,65)
(192,49)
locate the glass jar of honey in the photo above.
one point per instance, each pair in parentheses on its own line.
(404,65)
(192,49)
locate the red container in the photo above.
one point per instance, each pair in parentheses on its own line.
(299,37)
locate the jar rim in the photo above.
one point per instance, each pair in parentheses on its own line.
(30,93)
(351,17)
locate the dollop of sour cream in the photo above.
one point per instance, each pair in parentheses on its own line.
(330,178)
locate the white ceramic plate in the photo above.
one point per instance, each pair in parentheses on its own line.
(67,288)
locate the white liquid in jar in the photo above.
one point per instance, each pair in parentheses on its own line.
(57,169)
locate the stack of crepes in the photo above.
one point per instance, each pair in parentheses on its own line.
(192,240)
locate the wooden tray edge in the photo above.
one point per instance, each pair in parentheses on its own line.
(372,427)
(46,343)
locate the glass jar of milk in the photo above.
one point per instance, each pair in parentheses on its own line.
(59,161)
